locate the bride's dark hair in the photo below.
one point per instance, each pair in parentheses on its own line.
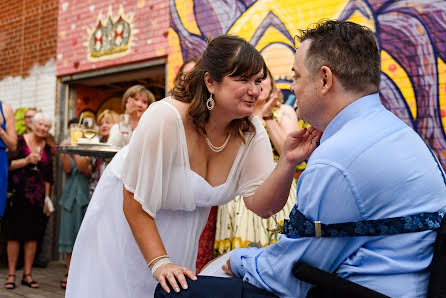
(225,55)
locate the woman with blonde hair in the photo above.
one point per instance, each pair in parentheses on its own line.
(105,120)
(134,103)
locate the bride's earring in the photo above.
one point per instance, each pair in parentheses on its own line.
(210,103)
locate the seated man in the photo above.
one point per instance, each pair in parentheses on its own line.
(365,168)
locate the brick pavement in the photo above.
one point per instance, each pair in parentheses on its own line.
(48,278)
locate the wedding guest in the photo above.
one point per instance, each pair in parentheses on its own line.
(8,142)
(184,69)
(74,200)
(31,177)
(196,149)
(105,120)
(28,119)
(134,102)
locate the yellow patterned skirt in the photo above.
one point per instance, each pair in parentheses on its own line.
(237,226)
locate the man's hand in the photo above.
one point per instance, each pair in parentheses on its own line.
(227,268)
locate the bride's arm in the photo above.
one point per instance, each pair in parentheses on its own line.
(273,193)
(149,241)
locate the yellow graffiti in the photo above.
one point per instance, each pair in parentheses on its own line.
(359,18)
(174,57)
(272,35)
(185,9)
(279,59)
(442,90)
(399,76)
(293,14)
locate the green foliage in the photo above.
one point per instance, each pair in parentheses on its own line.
(19,115)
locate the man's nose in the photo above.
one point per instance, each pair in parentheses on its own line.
(292,87)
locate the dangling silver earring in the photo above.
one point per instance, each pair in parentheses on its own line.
(210,103)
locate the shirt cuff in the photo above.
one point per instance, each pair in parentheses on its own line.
(237,257)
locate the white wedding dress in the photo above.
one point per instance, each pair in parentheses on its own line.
(106,260)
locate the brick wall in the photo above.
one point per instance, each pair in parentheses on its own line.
(149,21)
(28,35)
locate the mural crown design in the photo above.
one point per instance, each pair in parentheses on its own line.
(109,39)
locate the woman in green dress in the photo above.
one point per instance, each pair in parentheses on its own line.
(73,202)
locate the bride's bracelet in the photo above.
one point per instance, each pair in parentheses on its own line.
(156,259)
(160,263)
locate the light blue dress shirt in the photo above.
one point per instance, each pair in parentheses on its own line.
(369,165)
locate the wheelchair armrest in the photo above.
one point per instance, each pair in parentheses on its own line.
(331,283)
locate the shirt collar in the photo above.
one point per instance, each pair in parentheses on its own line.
(357,108)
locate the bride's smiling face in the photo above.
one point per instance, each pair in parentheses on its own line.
(236,96)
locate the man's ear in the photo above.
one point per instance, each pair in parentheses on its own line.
(326,79)
(210,83)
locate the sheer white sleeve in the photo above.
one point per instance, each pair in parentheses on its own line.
(156,166)
(259,161)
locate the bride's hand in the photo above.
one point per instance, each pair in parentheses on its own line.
(300,144)
(173,272)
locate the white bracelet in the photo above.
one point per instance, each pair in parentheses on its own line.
(160,263)
(156,259)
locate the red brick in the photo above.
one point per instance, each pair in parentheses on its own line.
(22,22)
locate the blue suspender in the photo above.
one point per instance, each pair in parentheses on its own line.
(299,226)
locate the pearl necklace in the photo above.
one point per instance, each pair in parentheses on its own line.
(215,148)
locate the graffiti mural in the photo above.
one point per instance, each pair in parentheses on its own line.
(410,34)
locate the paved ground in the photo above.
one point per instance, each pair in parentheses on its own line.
(48,278)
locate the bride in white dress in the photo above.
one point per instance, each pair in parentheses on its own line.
(153,200)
